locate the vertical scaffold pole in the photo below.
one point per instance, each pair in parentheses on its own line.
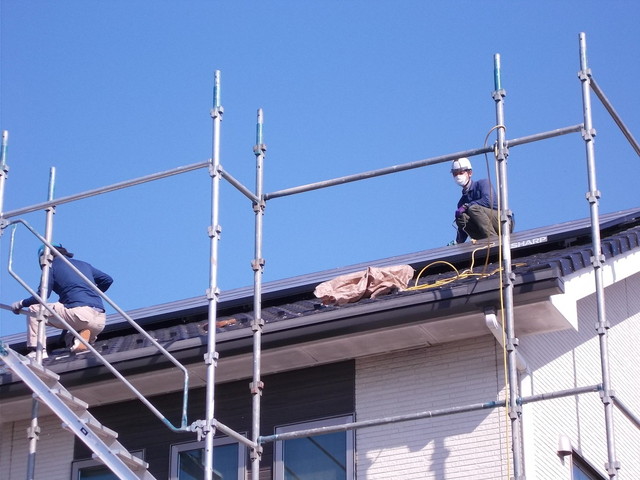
(602,327)
(4,170)
(211,357)
(33,432)
(258,265)
(507,275)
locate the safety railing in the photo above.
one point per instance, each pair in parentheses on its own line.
(184,426)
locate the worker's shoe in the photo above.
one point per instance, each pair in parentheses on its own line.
(32,354)
(78,346)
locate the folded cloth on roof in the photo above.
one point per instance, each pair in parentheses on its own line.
(371,282)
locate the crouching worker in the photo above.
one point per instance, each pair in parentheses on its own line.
(78,304)
(477,213)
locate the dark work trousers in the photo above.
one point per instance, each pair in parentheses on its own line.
(480,222)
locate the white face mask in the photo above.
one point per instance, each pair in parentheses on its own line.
(462,179)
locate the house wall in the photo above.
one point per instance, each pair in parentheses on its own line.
(568,359)
(291,397)
(54,450)
(461,446)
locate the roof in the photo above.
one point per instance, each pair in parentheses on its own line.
(541,258)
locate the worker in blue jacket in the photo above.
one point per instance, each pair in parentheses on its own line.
(78,305)
(477,213)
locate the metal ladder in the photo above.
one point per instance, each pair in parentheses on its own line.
(75,416)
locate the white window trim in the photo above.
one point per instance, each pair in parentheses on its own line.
(578,461)
(278,466)
(181,447)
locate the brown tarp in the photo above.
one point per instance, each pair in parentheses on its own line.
(371,282)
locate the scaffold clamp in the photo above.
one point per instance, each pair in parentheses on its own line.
(217,112)
(584,75)
(213,294)
(597,260)
(499,94)
(607,396)
(257,324)
(214,169)
(588,135)
(211,358)
(612,469)
(259,149)
(592,197)
(201,428)
(259,207)
(256,390)
(257,264)
(256,453)
(33,432)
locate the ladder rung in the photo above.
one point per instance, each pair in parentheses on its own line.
(133,462)
(72,402)
(96,427)
(42,372)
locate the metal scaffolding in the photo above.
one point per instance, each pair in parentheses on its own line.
(513,400)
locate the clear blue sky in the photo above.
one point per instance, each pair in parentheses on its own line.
(110,91)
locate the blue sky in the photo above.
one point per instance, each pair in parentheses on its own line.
(110,91)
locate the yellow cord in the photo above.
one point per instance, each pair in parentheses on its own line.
(459,275)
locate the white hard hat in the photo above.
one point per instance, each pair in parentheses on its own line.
(461,164)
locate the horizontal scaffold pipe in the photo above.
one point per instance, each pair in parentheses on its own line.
(107,189)
(380,421)
(420,415)
(560,394)
(233,434)
(626,411)
(417,164)
(612,111)
(239,186)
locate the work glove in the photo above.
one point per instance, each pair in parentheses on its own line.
(16,307)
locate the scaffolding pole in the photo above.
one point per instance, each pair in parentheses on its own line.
(4,169)
(33,432)
(258,323)
(213,293)
(515,410)
(612,466)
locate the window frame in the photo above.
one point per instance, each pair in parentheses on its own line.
(580,463)
(278,450)
(177,448)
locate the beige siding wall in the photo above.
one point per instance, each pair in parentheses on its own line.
(468,445)
(54,450)
(569,359)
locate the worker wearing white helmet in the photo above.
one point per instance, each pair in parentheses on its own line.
(477,212)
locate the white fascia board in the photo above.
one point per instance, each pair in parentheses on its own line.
(582,283)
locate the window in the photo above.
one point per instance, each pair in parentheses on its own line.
(188,459)
(95,469)
(322,457)
(581,470)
